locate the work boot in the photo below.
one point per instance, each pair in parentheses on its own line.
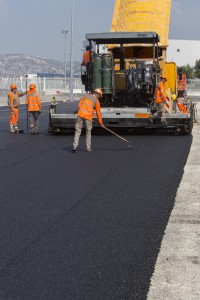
(16,128)
(12,129)
(74,150)
(89,150)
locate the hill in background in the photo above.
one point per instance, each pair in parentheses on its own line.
(21,64)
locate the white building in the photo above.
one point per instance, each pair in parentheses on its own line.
(183,52)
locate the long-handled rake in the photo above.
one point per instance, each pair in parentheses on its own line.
(130,145)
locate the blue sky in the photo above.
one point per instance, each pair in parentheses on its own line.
(34,26)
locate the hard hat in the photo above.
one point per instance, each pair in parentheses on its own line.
(98,91)
(173,97)
(164,77)
(13,86)
(32,86)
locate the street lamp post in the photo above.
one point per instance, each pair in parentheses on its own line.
(71,52)
(82,52)
(65,31)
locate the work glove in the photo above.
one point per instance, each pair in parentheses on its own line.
(39,111)
(75,112)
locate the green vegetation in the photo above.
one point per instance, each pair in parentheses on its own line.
(188,70)
(197,69)
(191,72)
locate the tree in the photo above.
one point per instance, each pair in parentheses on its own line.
(197,69)
(188,70)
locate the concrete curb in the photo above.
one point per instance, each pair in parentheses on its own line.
(177,270)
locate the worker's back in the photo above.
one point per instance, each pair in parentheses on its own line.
(86,58)
(87,105)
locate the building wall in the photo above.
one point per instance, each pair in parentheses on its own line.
(183,52)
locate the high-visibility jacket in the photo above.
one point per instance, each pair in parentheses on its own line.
(33,100)
(160,95)
(183,108)
(86,57)
(14,115)
(86,107)
(13,99)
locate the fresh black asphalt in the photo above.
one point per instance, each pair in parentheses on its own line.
(83,226)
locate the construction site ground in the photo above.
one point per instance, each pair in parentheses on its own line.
(111,224)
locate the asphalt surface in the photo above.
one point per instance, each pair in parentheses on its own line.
(85,225)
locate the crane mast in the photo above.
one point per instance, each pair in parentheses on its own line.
(142,16)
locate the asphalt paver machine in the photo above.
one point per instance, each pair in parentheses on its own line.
(128,72)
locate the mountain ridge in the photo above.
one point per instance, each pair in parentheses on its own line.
(22,64)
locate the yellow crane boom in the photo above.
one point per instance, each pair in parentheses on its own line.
(142,16)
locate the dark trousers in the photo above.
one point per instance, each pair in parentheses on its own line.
(34,121)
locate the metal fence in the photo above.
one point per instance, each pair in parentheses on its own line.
(51,86)
(58,86)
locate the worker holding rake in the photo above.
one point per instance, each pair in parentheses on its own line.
(86,107)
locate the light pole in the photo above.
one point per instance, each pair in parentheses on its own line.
(71,52)
(65,31)
(82,52)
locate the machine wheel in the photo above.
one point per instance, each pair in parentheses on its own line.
(188,126)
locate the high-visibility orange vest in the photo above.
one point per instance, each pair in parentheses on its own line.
(160,95)
(86,57)
(183,108)
(13,100)
(86,107)
(33,100)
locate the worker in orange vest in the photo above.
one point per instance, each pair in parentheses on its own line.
(159,100)
(86,56)
(86,107)
(14,103)
(182,107)
(33,102)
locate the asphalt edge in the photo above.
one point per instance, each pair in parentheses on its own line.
(177,270)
